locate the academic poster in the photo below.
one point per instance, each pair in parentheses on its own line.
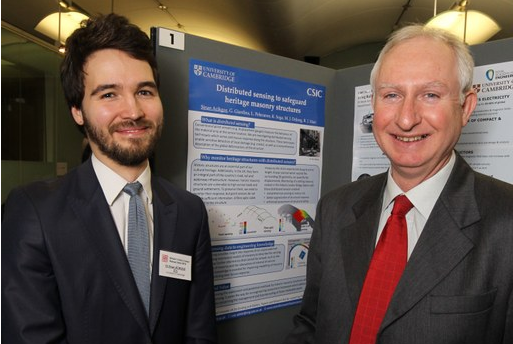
(486,142)
(368,159)
(255,158)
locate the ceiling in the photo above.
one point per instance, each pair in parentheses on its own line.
(291,28)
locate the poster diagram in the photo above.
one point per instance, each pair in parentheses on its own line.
(255,158)
(486,141)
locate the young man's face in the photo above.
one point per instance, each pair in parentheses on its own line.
(418,116)
(121,111)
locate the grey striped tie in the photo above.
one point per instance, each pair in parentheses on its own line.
(138,242)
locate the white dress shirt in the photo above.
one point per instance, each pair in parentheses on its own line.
(112,185)
(423,197)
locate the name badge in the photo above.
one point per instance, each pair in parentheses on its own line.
(175,265)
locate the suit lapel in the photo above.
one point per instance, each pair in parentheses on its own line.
(358,239)
(165,221)
(89,204)
(442,244)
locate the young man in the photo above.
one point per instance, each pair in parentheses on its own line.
(69,271)
(455,284)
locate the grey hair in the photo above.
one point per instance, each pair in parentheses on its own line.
(464,59)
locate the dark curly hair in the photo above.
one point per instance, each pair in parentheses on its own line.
(110,31)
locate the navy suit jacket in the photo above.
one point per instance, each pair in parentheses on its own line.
(457,287)
(66,277)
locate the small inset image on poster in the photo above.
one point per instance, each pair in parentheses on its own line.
(310,142)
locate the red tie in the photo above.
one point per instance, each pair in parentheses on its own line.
(386,268)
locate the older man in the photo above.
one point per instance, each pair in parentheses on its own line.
(440,270)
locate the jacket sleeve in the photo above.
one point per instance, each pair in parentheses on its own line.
(508,333)
(305,321)
(31,311)
(201,321)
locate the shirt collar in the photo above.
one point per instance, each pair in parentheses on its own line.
(112,184)
(423,196)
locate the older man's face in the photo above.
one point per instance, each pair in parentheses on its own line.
(418,116)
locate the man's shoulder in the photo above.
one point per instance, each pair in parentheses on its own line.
(48,187)
(361,185)
(49,195)
(352,192)
(165,188)
(493,189)
(484,185)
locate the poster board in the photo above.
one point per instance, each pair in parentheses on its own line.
(170,160)
(177,58)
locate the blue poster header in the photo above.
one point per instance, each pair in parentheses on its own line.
(233,91)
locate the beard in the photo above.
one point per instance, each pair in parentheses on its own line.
(136,153)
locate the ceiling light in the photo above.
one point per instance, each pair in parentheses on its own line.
(67,21)
(471,26)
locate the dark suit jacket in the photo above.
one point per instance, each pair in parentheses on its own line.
(66,277)
(457,286)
